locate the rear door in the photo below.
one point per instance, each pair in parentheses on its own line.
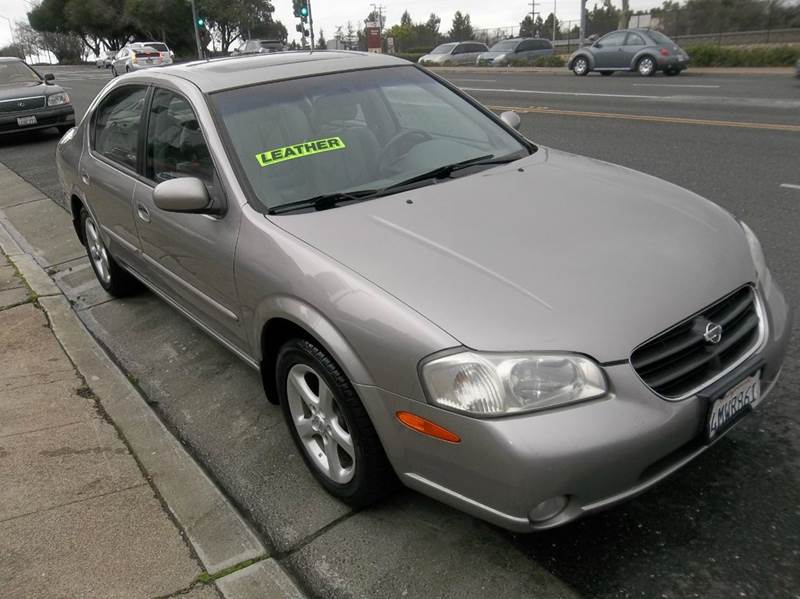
(188,256)
(609,51)
(108,171)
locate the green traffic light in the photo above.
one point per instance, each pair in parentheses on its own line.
(201,22)
(304,11)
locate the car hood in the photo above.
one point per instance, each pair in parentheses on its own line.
(24,90)
(553,252)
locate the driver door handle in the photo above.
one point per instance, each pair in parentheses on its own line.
(85,177)
(143,212)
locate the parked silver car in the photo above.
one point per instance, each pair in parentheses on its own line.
(366,236)
(511,51)
(643,50)
(455,53)
(138,56)
(258,47)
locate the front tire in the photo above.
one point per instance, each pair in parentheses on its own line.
(581,66)
(330,426)
(606,73)
(646,66)
(112,277)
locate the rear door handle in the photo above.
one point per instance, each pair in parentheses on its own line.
(143,212)
(85,177)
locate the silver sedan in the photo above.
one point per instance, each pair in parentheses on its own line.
(365,235)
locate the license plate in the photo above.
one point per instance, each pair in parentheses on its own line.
(738,400)
(24,121)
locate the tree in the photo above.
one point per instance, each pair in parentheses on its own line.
(461,29)
(547,28)
(321,43)
(526,27)
(624,15)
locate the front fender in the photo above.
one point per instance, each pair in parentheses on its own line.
(589,58)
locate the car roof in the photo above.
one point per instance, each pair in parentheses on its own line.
(10,59)
(239,71)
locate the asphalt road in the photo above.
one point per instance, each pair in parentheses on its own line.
(726,526)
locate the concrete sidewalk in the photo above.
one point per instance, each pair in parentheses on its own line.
(98,498)
(78,518)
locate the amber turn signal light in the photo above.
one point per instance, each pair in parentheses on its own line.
(426,427)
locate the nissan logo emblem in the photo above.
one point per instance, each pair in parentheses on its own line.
(713,333)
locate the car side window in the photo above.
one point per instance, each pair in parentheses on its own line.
(614,39)
(115,132)
(524,46)
(634,39)
(175,144)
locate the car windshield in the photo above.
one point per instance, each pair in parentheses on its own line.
(443,49)
(17,72)
(504,46)
(353,131)
(659,37)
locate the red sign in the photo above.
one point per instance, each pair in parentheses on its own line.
(374,38)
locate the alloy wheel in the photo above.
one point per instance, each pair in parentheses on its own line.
(580,66)
(97,252)
(646,66)
(320,424)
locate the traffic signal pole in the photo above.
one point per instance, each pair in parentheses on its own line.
(196,32)
(310,24)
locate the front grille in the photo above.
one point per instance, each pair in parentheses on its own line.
(682,359)
(21,104)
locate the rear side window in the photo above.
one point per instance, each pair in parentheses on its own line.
(175,144)
(115,132)
(659,37)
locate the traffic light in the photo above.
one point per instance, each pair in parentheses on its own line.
(201,22)
(301,9)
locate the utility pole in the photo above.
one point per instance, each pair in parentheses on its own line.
(583,23)
(378,8)
(554,21)
(196,32)
(310,24)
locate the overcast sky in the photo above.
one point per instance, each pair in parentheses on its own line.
(330,13)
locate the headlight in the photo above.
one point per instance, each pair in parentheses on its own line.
(489,384)
(58,99)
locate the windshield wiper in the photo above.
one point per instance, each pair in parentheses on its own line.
(443,172)
(324,201)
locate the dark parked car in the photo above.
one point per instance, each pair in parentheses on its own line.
(642,50)
(506,52)
(29,100)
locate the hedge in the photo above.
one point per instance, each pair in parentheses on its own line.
(709,55)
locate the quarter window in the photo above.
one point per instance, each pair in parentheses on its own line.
(175,144)
(116,125)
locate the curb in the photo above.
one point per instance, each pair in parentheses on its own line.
(229,550)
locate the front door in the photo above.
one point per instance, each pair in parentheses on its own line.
(609,51)
(188,256)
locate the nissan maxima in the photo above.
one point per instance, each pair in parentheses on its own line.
(522,333)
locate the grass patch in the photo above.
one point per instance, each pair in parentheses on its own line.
(206,578)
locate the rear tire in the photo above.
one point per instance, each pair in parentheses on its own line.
(330,426)
(580,66)
(112,277)
(606,73)
(646,66)
(672,72)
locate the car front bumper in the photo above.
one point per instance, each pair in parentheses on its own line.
(56,116)
(595,454)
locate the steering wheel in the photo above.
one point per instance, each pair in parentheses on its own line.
(400,145)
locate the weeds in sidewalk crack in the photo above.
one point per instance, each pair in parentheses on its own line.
(207,578)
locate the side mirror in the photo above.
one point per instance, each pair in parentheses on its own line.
(49,77)
(597,45)
(183,194)
(511,119)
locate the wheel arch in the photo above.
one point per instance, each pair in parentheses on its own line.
(76,203)
(286,318)
(585,55)
(642,54)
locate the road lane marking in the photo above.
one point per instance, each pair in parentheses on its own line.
(674,85)
(790,186)
(478,80)
(552,93)
(650,118)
